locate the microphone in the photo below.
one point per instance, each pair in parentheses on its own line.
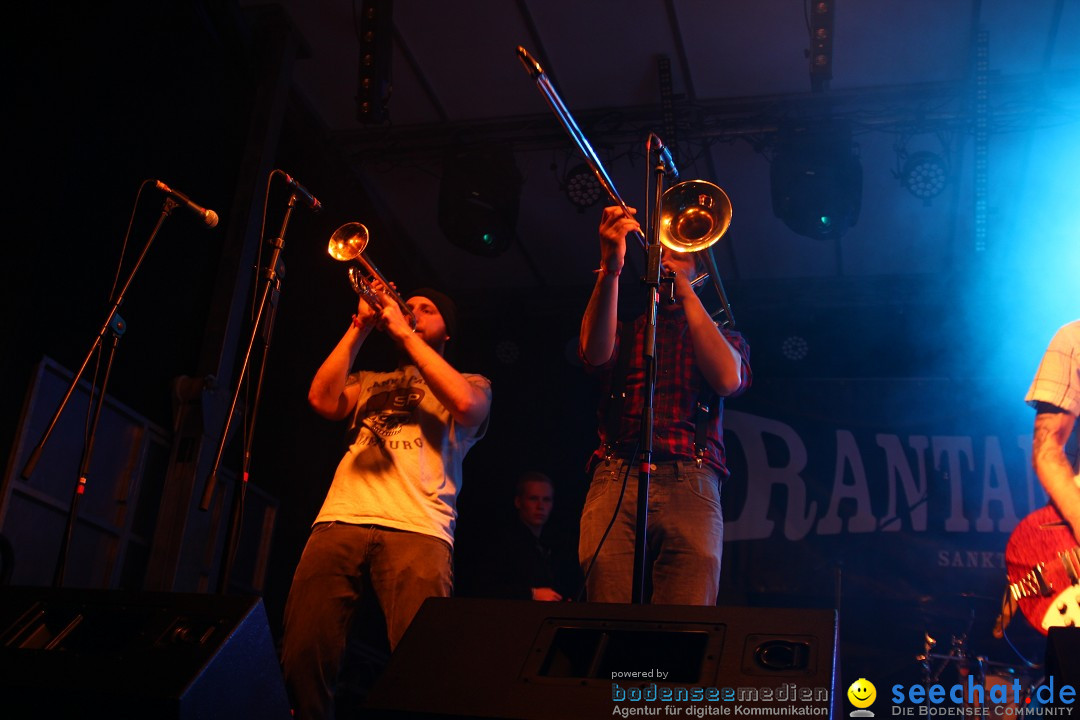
(310,200)
(665,157)
(208,216)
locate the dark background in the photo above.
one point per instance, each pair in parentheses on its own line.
(101,98)
(117,94)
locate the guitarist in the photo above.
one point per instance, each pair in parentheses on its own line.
(1055,395)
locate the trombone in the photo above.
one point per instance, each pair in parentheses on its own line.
(348,243)
(694,214)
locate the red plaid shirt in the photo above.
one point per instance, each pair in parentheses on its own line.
(679,385)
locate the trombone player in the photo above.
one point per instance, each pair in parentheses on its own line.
(386,526)
(697,364)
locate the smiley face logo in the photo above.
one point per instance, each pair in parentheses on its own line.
(862,693)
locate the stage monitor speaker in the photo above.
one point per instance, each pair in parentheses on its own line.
(1063,656)
(467,657)
(79,653)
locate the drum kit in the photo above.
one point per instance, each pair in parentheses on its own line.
(1042,562)
(1002,683)
(996,685)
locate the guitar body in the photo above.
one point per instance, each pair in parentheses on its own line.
(1042,561)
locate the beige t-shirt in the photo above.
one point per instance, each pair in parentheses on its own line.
(403,469)
(1057,381)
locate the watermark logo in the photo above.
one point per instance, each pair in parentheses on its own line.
(861,694)
(678,700)
(973,698)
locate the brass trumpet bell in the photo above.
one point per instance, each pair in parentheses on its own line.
(348,241)
(693,215)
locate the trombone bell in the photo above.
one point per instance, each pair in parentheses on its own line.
(693,215)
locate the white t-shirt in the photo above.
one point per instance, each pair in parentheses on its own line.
(403,469)
(1057,380)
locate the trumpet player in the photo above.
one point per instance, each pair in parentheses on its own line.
(697,365)
(386,526)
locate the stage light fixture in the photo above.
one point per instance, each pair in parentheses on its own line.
(816,180)
(582,187)
(822,19)
(795,348)
(374,86)
(508,352)
(925,175)
(479,198)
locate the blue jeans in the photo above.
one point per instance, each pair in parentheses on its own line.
(684,536)
(339,562)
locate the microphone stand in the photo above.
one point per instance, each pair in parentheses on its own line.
(115,324)
(271,289)
(652,280)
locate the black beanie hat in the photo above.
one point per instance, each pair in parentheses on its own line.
(445,305)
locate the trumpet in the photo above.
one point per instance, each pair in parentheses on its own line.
(348,243)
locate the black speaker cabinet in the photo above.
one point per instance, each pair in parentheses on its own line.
(477,658)
(89,653)
(1063,656)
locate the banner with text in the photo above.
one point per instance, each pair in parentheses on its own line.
(899,492)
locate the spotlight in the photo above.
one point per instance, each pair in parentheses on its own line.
(822,18)
(374,86)
(795,347)
(479,198)
(582,187)
(924,175)
(816,180)
(508,352)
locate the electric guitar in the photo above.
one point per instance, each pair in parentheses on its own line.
(1042,562)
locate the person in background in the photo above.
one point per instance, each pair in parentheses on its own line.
(525,558)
